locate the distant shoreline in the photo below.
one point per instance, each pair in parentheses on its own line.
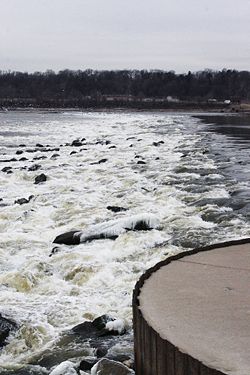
(196,109)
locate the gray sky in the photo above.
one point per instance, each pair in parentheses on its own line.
(178,35)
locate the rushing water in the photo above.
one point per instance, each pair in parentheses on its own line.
(196,183)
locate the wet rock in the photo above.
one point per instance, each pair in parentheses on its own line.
(110,229)
(23,159)
(87,364)
(102,161)
(65,368)
(104,325)
(158,143)
(6,169)
(23,200)
(6,326)
(34,167)
(76,143)
(99,162)
(68,238)
(55,250)
(54,156)
(40,157)
(41,178)
(19,152)
(100,352)
(108,367)
(116,208)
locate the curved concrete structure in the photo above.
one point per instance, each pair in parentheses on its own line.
(192,313)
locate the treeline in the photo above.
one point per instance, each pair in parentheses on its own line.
(90,87)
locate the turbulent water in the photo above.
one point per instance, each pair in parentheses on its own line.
(196,184)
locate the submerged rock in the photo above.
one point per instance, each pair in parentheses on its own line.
(6,326)
(108,367)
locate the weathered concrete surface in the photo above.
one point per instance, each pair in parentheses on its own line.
(201,304)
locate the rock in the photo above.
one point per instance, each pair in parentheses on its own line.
(41,178)
(34,167)
(54,156)
(100,352)
(40,157)
(108,367)
(39,145)
(23,200)
(73,152)
(104,325)
(6,326)
(87,364)
(83,139)
(110,229)
(158,143)
(65,368)
(23,159)
(68,238)
(22,145)
(76,143)
(6,169)
(116,208)
(99,162)
(55,250)
(19,152)
(112,147)
(141,162)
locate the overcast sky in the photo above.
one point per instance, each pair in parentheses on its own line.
(179,35)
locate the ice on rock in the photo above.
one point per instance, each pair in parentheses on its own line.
(65,368)
(117,325)
(113,228)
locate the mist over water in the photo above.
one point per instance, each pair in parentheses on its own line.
(196,182)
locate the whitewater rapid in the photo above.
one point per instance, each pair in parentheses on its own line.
(47,295)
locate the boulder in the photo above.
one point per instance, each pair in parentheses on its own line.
(19,152)
(6,169)
(41,178)
(68,238)
(116,208)
(110,229)
(23,200)
(108,367)
(40,157)
(104,325)
(34,167)
(23,159)
(6,326)
(87,364)
(76,143)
